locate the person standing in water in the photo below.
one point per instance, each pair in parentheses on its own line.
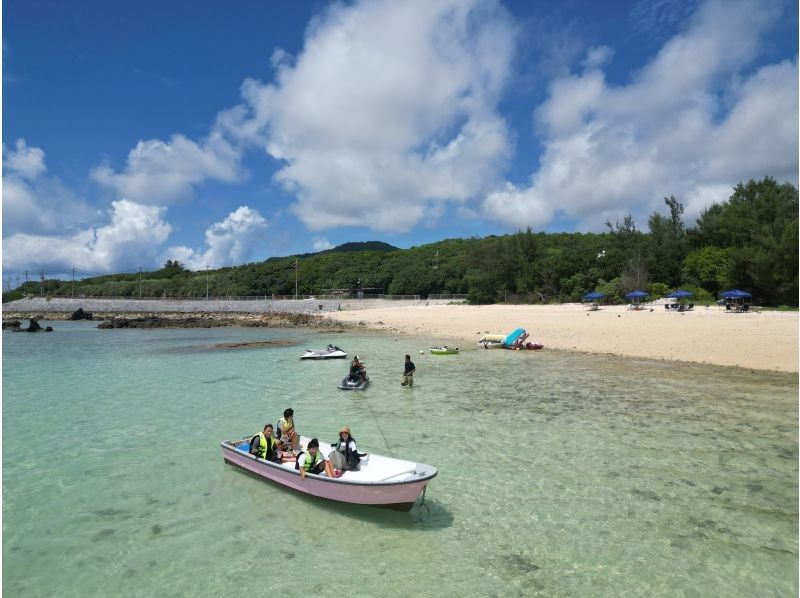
(408,373)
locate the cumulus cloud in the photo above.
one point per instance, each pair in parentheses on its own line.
(692,123)
(33,201)
(129,240)
(321,244)
(390,108)
(230,242)
(26,162)
(159,172)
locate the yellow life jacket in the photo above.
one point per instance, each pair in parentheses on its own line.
(285,426)
(264,444)
(311,460)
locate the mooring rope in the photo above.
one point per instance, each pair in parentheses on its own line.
(391,454)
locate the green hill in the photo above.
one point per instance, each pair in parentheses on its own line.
(749,242)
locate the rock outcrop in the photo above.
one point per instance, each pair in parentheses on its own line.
(32,327)
(79,314)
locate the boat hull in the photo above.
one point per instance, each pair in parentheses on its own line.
(398,495)
(437,351)
(324,355)
(492,344)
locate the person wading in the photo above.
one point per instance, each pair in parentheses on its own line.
(408,373)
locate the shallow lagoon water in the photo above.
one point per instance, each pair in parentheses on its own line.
(560,474)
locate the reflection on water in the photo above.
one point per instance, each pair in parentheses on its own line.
(560,474)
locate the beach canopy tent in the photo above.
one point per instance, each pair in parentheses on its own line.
(735,294)
(679,294)
(593,296)
(734,300)
(636,295)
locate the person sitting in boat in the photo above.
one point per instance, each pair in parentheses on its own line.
(345,455)
(287,432)
(311,461)
(408,372)
(357,369)
(265,446)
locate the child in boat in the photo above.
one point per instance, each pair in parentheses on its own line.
(287,432)
(345,455)
(311,461)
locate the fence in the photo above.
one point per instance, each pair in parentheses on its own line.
(333,297)
(451,297)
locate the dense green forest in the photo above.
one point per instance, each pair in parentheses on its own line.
(749,242)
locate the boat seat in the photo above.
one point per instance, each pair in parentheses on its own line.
(379,469)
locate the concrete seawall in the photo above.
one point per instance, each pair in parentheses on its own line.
(305,306)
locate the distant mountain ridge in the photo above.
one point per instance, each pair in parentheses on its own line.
(351,247)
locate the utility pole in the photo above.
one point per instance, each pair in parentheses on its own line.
(206,282)
(140,282)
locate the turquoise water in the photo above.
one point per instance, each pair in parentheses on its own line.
(560,474)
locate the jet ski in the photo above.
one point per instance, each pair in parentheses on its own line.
(329,352)
(357,381)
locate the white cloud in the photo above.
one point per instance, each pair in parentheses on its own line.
(321,244)
(128,241)
(159,172)
(33,201)
(26,162)
(230,242)
(597,57)
(390,108)
(693,122)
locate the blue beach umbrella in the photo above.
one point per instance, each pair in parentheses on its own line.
(735,294)
(593,296)
(679,294)
(636,295)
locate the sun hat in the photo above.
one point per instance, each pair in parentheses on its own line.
(344,429)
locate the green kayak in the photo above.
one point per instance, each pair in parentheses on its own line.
(445,350)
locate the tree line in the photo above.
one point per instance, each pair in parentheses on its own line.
(749,242)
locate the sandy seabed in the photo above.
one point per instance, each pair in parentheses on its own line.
(763,341)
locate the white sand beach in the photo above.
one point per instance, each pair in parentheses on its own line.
(764,341)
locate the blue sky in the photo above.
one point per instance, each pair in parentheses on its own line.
(222,133)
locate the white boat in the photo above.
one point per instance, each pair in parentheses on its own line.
(492,341)
(329,352)
(380,481)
